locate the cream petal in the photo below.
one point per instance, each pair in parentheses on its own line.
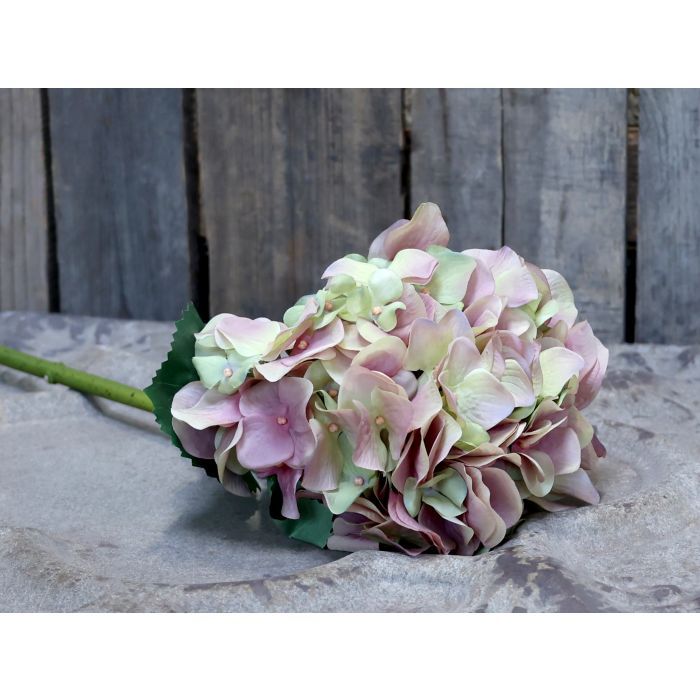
(482,399)
(558,365)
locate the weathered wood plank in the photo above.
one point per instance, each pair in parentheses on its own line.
(456,161)
(668,238)
(120,202)
(292,180)
(24,282)
(564,165)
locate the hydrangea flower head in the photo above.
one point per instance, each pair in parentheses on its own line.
(423,396)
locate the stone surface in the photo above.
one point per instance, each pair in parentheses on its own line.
(99,513)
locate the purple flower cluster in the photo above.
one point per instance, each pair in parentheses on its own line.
(422,395)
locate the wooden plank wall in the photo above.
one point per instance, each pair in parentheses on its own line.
(565,192)
(129,202)
(668,240)
(290,181)
(24,230)
(120,202)
(456,161)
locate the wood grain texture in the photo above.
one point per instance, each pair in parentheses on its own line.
(24,280)
(120,202)
(456,161)
(668,238)
(290,181)
(564,165)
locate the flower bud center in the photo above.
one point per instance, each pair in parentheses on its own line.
(379,420)
(302,344)
(332,428)
(228,372)
(332,393)
(358,481)
(281,420)
(376,310)
(328,306)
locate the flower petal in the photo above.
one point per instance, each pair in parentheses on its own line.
(323,470)
(385,355)
(558,366)
(201,408)
(414,266)
(426,228)
(264,443)
(450,280)
(482,399)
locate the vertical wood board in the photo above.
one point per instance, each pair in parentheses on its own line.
(120,202)
(292,180)
(456,161)
(668,238)
(564,164)
(24,247)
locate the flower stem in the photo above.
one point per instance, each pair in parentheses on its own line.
(58,373)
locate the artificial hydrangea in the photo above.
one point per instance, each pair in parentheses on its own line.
(422,395)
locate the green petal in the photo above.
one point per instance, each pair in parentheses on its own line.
(453,487)
(558,366)
(411,497)
(340,499)
(449,282)
(386,286)
(387,318)
(443,505)
(341,284)
(473,435)
(210,369)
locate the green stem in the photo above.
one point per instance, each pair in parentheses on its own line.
(58,373)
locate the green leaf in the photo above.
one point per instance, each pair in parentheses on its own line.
(173,374)
(314,523)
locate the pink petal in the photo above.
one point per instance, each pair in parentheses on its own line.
(294,393)
(262,399)
(385,355)
(413,462)
(447,432)
(484,313)
(426,228)
(264,443)
(415,308)
(398,414)
(578,485)
(376,250)
(481,517)
(481,283)
(538,472)
(320,341)
(304,444)
(505,499)
(201,408)
(407,380)
(370,452)
(414,266)
(198,443)
(564,449)
(595,362)
(287,479)
(323,470)
(427,403)
(228,438)
(513,280)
